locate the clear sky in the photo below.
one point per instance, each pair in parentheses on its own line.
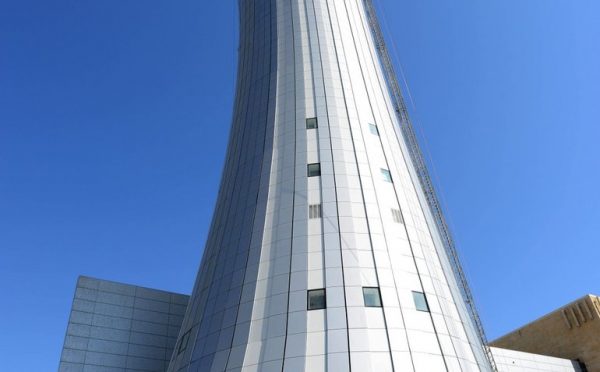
(114,117)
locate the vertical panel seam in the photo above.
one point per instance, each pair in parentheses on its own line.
(287,317)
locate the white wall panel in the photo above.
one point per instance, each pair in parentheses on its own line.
(516,361)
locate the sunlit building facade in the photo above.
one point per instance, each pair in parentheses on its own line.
(322,254)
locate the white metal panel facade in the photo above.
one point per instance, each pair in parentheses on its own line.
(304,59)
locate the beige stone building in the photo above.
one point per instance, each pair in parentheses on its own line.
(571,332)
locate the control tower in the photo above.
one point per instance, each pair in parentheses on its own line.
(327,250)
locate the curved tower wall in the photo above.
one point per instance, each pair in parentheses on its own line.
(302,59)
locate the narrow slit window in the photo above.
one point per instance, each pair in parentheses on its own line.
(183,343)
(314,170)
(397,216)
(420,301)
(374,130)
(315,211)
(372,297)
(312,123)
(316,299)
(387,176)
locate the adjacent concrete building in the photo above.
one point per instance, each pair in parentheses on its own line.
(115,327)
(571,332)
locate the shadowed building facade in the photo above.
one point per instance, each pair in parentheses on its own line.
(322,254)
(115,327)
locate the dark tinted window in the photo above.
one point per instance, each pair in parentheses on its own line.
(316,299)
(314,170)
(372,297)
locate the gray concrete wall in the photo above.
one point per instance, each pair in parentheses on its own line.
(115,327)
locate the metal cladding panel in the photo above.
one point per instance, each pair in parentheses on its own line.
(120,327)
(319,201)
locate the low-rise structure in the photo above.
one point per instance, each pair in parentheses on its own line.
(121,328)
(125,328)
(571,332)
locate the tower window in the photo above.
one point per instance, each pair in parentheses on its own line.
(387,176)
(316,299)
(312,123)
(314,170)
(420,301)
(315,211)
(397,216)
(372,296)
(373,129)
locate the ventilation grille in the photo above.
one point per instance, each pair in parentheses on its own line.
(397,216)
(314,211)
(577,314)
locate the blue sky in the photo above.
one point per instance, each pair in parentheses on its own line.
(114,118)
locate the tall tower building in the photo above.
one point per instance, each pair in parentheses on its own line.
(324,253)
